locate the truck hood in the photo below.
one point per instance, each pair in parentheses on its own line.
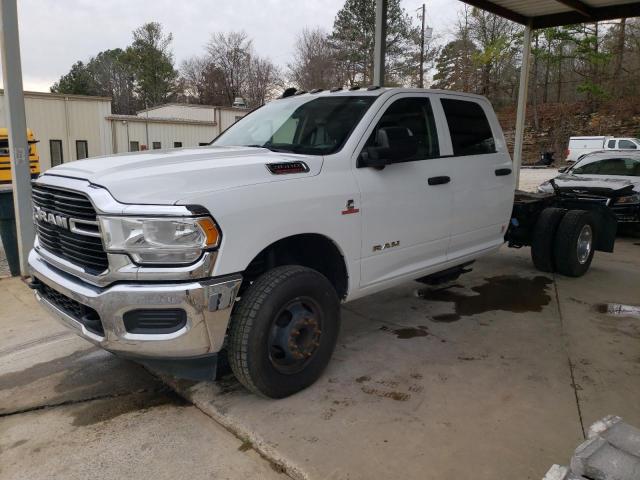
(164,177)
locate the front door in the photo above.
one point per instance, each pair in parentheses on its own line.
(406,206)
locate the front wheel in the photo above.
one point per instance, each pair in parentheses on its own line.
(283,331)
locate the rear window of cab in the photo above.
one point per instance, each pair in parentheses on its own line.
(469,127)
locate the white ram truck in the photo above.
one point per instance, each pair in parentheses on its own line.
(249,245)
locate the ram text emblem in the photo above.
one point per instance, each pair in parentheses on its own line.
(385,246)
(52,218)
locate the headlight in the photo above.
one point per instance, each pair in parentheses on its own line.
(159,240)
(628,199)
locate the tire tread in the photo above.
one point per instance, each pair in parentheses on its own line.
(564,244)
(544,235)
(245,316)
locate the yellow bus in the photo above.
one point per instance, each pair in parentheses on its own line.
(5,165)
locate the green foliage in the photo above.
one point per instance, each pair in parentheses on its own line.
(141,75)
(455,67)
(77,82)
(353,39)
(152,63)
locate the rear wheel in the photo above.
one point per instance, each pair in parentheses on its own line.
(283,331)
(544,235)
(574,245)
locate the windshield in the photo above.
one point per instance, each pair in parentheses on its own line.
(629,167)
(317,127)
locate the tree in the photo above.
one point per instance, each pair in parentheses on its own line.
(114,76)
(108,74)
(202,82)
(231,69)
(353,40)
(498,41)
(455,69)
(77,82)
(314,64)
(231,54)
(262,80)
(152,60)
(455,65)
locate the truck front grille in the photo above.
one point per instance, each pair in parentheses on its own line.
(82,249)
(83,314)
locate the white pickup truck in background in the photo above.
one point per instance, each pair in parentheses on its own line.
(249,245)
(581,146)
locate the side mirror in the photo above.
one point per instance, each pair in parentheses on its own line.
(393,144)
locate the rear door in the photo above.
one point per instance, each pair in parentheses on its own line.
(406,214)
(482,176)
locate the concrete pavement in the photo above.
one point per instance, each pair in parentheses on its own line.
(71,411)
(492,377)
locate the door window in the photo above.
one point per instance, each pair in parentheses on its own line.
(627,145)
(415,114)
(469,127)
(55,148)
(611,144)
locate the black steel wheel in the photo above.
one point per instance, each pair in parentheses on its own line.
(294,336)
(283,331)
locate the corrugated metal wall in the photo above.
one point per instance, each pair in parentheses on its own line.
(190,135)
(68,119)
(74,118)
(203,113)
(229,116)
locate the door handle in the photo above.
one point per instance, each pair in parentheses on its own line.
(502,172)
(438,180)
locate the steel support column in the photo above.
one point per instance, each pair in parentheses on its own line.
(380,46)
(522,103)
(17,125)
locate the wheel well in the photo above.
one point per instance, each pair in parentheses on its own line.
(310,250)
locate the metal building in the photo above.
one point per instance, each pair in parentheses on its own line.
(68,127)
(73,127)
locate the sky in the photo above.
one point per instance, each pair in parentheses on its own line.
(55,34)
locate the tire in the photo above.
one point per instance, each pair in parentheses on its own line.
(266,354)
(574,245)
(544,235)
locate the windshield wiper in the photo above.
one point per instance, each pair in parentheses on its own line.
(271,148)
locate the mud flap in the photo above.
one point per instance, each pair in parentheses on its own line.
(606,229)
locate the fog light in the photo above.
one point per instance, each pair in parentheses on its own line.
(155,322)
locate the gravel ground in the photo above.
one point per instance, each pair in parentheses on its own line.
(530,178)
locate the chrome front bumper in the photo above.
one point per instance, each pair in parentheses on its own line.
(207,304)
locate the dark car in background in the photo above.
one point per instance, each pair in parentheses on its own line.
(612,176)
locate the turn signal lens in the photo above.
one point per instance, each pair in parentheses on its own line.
(210,230)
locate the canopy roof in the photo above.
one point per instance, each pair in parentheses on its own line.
(554,13)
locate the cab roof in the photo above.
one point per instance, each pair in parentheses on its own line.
(373,91)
